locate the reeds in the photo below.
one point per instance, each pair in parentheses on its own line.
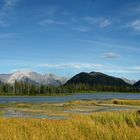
(98,126)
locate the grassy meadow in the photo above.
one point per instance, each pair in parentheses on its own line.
(104,125)
(98,126)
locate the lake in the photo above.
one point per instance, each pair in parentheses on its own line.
(59,99)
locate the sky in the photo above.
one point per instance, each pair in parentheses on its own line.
(66,37)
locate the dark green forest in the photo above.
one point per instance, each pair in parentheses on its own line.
(25,88)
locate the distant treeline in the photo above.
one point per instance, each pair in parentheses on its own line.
(25,88)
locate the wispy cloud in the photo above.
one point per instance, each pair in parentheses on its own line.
(54,15)
(51,21)
(72,65)
(101,22)
(94,67)
(8,6)
(83,29)
(105,23)
(76,22)
(132,10)
(129,17)
(110,55)
(134,25)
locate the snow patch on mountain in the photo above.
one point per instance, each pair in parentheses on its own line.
(131,82)
(20,75)
(33,77)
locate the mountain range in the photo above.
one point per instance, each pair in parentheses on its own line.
(92,78)
(33,77)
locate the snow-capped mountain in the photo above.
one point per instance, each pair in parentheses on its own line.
(33,77)
(51,79)
(131,82)
(36,78)
(22,75)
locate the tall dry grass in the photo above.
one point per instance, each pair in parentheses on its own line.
(98,126)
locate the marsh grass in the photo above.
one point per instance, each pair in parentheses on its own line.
(23,105)
(66,108)
(126,102)
(98,126)
(83,102)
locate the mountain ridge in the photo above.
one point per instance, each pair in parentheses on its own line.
(33,77)
(54,80)
(96,78)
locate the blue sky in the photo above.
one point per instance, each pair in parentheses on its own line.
(66,37)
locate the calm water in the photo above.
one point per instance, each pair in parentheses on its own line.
(59,99)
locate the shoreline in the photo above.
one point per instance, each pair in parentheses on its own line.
(66,94)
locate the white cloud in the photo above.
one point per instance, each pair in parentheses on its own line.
(105,23)
(6,9)
(72,65)
(101,22)
(110,55)
(94,67)
(82,29)
(9,5)
(132,10)
(51,21)
(135,25)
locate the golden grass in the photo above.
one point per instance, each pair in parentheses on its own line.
(83,102)
(98,126)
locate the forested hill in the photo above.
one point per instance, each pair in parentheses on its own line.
(96,81)
(96,78)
